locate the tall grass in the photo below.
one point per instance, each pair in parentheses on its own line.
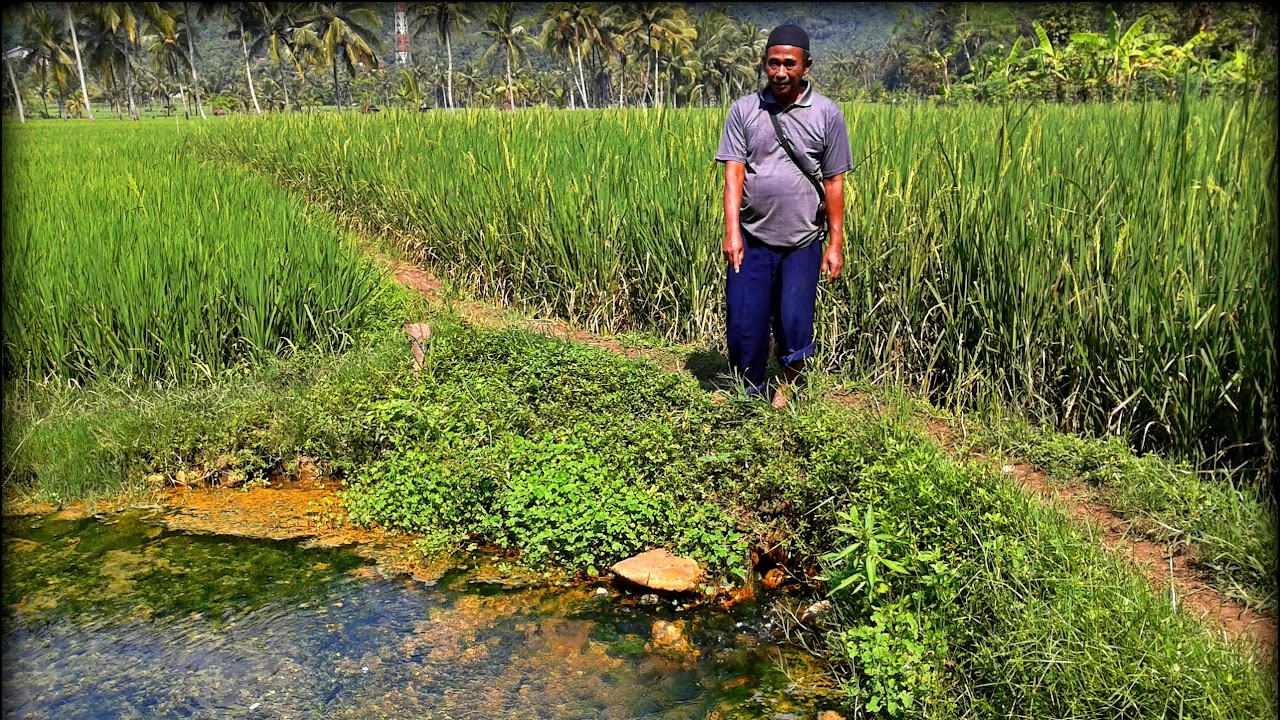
(125,255)
(1106,268)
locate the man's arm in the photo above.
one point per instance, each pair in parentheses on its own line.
(833,259)
(734,172)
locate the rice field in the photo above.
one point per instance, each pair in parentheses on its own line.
(1102,268)
(126,256)
(1105,267)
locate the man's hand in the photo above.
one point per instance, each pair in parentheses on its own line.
(833,261)
(733,250)
(734,175)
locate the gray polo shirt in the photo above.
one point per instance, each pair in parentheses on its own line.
(779,206)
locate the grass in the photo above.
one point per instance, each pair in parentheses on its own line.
(977,600)
(154,266)
(955,594)
(1231,529)
(1100,268)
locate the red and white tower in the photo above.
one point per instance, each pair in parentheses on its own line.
(402,37)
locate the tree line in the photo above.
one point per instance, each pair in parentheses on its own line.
(301,56)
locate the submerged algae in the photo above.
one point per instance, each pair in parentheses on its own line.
(119,617)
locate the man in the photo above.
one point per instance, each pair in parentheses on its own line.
(775,219)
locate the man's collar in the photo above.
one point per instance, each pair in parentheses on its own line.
(805,99)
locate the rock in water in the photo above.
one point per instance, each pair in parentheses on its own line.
(816,611)
(669,636)
(660,570)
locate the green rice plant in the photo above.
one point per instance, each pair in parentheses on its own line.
(1110,269)
(125,255)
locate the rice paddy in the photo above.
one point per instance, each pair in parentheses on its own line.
(1100,268)
(127,256)
(1097,268)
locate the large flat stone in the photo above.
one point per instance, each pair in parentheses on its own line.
(660,570)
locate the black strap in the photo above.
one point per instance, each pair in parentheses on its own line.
(791,153)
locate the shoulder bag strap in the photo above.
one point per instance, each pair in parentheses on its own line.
(785,142)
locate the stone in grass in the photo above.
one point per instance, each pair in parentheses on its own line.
(419,335)
(660,570)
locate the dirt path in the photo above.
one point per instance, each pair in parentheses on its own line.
(1169,568)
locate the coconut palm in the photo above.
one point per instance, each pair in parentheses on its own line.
(598,25)
(17,92)
(68,14)
(444,18)
(340,31)
(103,49)
(663,25)
(203,11)
(508,38)
(241,16)
(470,82)
(273,25)
(124,21)
(47,61)
(559,38)
(167,53)
(564,32)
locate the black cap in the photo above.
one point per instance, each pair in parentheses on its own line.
(792,35)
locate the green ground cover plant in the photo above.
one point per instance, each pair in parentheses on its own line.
(498,419)
(1100,268)
(955,594)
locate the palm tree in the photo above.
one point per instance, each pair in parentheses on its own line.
(664,24)
(445,18)
(122,21)
(568,28)
(273,25)
(17,92)
(47,59)
(102,46)
(597,26)
(343,30)
(470,81)
(506,37)
(75,43)
(166,49)
(240,14)
(559,38)
(204,11)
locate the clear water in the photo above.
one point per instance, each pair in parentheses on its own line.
(120,618)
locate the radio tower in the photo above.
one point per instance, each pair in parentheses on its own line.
(402,37)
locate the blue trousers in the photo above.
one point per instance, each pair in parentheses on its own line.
(776,288)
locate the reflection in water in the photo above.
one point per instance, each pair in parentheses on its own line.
(122,619)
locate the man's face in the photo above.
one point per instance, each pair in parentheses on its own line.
(785,65)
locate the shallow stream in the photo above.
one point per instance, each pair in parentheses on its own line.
(120,617)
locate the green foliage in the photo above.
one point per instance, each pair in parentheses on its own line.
(566,504)
(1226,520)
(1016,264)
(896,658)
(152,266)
(981,602)
(65,442)
(994,606)
(608,477)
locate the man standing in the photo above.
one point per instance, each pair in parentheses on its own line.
(785,150)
